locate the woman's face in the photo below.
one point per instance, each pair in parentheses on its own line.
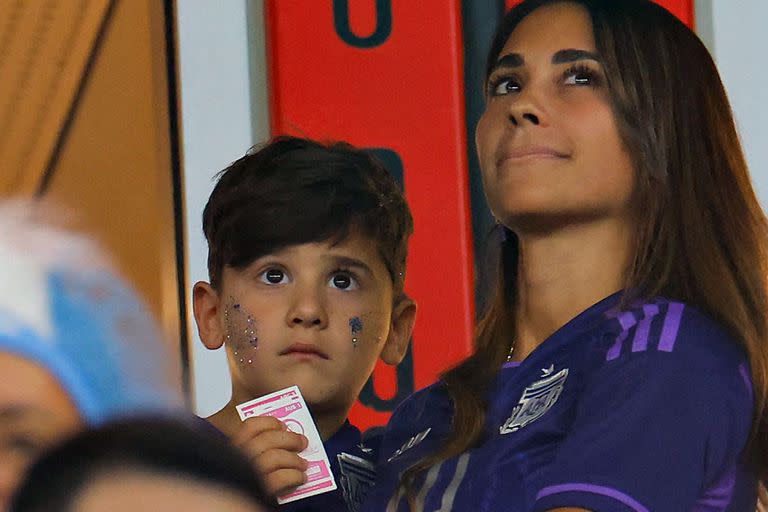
(549,148)
(35,412)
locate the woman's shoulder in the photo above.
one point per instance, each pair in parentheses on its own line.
(669,344)
(669,330)
(664,390)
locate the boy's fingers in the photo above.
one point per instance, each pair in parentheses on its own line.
(271,439)
(252,427)
(274,460)
(283,481)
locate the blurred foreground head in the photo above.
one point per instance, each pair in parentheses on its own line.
(77,347)
(143,464)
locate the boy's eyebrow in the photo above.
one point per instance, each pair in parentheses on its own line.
(346,261)
(516,60)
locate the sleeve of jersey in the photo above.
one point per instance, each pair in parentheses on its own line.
(651,431)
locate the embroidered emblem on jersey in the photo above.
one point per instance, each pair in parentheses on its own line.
(357,476)
(537,399)
(410,444)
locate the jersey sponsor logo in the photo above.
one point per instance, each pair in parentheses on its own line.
(356,477)
(410,444)
(537,399)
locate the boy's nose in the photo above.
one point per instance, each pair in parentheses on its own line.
(308,310)
(308,320)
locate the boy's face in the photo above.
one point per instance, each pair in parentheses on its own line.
(315,315)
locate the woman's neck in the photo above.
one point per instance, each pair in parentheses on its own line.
(563,273)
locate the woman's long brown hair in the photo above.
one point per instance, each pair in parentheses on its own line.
(702,237)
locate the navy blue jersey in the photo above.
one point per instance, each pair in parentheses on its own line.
(642,410)
(352,463)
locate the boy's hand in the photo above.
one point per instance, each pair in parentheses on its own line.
(274,451)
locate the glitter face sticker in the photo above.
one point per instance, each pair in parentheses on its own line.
(355,326)
(241,331)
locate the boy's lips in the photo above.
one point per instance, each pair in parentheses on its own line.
(304,349)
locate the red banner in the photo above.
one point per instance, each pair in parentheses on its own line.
(683,9)
(388,76)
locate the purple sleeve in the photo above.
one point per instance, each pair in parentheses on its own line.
(653,431)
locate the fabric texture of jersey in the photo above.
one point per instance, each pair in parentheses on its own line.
(646,409)
(352,464)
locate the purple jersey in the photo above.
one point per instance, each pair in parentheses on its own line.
(642,410)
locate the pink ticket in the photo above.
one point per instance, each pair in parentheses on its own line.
(288,406)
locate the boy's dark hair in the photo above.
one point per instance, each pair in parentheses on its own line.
(170,447)
(293,191)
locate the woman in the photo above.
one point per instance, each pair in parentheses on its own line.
(622,365)
(77,348)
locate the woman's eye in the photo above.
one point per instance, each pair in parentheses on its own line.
(580,75)
(504,85)
(343,281)
(273,276)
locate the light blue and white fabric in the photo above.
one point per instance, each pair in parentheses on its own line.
(63,307)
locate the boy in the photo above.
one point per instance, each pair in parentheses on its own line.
(307,250)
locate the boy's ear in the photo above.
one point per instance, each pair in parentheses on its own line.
(403,318)
(205,305)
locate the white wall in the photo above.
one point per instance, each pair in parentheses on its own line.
(740,43)
(218,125)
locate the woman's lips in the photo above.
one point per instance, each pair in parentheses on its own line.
(530,153)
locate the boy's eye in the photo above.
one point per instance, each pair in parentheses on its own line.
(273,276)
(343,281)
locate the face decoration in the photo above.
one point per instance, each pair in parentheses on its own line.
(355,326)
(301,300)
(241,330)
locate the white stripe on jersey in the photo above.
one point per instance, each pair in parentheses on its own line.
(450,492)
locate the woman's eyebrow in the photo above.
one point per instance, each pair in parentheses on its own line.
(510,60)
(573,55)
(516,60)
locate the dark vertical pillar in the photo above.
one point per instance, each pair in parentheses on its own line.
(480,21)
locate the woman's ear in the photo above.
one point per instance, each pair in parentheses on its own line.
(401,328)
(206,307)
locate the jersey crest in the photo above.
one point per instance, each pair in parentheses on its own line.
(537,399)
